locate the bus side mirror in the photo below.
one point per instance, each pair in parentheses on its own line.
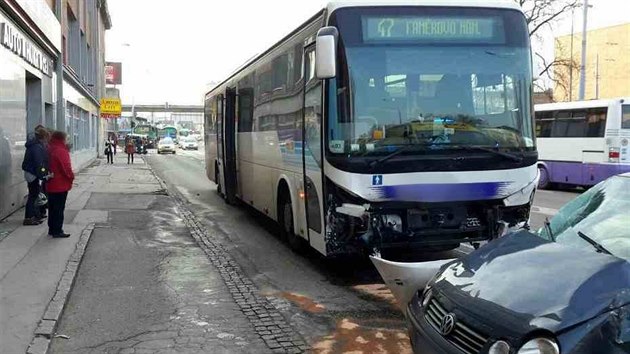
(326,53)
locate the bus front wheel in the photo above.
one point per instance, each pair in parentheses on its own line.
(296,243)
(543,181)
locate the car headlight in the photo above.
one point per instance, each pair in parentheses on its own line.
(499,347)
(426,298)
(540,346)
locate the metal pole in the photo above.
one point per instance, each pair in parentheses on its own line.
(571,63)
(583,63)
(597,78)
(61,110)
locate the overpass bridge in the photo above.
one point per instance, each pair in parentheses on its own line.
(165,108)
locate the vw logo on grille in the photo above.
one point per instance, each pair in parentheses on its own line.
(448,324)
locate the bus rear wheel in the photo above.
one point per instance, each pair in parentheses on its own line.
(296,243)
(216,179)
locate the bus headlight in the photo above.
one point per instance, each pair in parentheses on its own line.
(540,346)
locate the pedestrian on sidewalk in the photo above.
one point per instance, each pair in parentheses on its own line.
(35,167)
(59,185)
(130,149)
(109,151)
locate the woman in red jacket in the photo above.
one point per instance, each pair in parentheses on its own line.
(59,185)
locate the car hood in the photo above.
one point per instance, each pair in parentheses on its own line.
(524,282)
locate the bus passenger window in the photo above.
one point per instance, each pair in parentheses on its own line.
(625,116)
(596,120)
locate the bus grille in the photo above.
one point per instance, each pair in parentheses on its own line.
(463,337)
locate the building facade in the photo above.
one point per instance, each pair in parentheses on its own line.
(607,64)
(51,58)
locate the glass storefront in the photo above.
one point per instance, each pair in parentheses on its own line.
(26,98)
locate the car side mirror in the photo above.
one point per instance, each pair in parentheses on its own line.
(326,53)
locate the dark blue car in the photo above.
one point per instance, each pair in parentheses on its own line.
(564,289)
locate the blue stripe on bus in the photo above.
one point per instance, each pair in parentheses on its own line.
(444,192)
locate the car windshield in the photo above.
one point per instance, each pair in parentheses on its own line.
(444,95)
(166,141)
(600,214)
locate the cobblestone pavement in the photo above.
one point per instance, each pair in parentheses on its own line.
(264,316)
(146,287)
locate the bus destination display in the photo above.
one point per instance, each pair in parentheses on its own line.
(432,29)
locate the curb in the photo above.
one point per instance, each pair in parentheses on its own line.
(267,321)
(45,331)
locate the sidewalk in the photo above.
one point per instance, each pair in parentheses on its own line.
(32,264)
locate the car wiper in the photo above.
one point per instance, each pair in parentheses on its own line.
(506,155)
(549,230)
(401,150)
(594,243)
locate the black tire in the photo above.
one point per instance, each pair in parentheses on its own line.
(285,219)
(174,152)
(543,181)
(216,178)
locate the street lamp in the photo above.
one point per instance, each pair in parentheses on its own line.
(571,50)
(583,62)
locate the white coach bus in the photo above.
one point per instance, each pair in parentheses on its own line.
(582,143)
(390,125)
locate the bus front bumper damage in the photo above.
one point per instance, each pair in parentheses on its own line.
(371,228)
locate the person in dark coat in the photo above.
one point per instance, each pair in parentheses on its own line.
(109,151)
(130,149)
(35,167)
(60,184)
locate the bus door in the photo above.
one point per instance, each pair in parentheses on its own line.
(220,146)
(312,152)
(229,148)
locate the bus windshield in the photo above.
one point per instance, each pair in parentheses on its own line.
(436,78)
(168,132)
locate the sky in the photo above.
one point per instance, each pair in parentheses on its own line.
(172,50)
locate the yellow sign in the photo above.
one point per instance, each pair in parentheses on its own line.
(111,107)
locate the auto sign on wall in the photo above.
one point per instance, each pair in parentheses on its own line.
(111,108)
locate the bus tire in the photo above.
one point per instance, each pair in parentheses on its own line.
(216,178)
(285,218)
(543,181)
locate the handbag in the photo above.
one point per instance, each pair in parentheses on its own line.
(41,200)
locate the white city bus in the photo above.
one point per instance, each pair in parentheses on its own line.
(389,125)
(582,143)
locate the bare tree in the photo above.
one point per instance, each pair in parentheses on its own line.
(545,13)
(539,13)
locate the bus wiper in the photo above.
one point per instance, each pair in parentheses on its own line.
(598,247)
(496,152)
(402,149)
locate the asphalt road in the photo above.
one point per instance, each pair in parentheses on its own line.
(338,306)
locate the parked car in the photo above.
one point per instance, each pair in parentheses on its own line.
(564,289)
(188,143)
(166,145)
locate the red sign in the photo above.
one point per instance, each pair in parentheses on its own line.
(109,116)
(113,73)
